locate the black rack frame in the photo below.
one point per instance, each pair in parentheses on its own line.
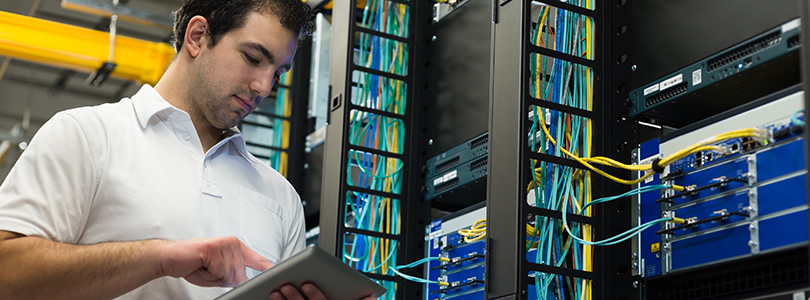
(414,212)
(510,102)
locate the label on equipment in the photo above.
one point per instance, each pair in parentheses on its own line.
(648,179)
(449,176)
(791,25)
(646,161)
(651,89)
(438,181)
(672,81)
(697,77)
(435,229)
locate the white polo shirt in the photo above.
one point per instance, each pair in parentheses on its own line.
(135,170)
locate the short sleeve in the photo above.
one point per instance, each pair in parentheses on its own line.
(296,238)
(49,191)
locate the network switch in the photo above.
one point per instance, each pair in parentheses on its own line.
(734,76)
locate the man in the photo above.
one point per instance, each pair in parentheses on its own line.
(155,197)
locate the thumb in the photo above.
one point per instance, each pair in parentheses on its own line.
(254,260)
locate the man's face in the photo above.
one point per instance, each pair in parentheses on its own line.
(231,78)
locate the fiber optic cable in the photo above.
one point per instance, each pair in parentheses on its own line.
(795,118)
(369,130)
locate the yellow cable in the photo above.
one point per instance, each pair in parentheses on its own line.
(586,164)
(678,221)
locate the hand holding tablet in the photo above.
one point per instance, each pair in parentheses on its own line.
(323,272)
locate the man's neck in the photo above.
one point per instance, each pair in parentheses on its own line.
(170,87)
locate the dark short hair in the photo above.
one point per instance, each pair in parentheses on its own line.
(224,16)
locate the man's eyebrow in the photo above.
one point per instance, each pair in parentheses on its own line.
(262,49)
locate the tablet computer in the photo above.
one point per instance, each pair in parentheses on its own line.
(313,265)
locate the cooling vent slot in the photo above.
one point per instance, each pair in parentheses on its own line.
(742,279)
(481,163)
(667,94)
(482,141)
(794,42)
(447,164)
(445,186)
(744,50)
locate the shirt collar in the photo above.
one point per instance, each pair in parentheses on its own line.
(147,103)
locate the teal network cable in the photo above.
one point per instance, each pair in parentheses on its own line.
(366,129)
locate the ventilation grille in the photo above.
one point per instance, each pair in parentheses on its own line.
(744,50)
(794,42)
(669,93)
(481,163)
(782,271)
(447,164)
(482,141)
(445,186)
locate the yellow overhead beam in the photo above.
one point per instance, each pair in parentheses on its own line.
(81,49)
(360,4)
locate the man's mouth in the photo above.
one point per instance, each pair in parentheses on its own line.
(243,103)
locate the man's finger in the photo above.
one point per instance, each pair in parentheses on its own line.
(291,293)
(312,292)
(276,295)
(255,261)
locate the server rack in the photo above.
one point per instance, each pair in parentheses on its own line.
(615,67)
(653,39)
(340,152)
(510,103)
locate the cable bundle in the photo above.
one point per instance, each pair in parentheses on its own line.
(366,129)
(559,187)
(281,127)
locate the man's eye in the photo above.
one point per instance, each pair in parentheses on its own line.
(251,60)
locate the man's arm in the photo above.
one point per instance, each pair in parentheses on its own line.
(36,268)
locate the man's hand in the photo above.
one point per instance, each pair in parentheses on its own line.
(209,261)
(289,292)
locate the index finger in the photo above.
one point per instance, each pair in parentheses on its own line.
(254,260)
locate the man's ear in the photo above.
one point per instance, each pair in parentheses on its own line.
(196,35)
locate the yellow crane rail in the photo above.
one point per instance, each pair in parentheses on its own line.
(81,49)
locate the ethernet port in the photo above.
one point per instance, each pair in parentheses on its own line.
(749,144)
(709,157)
(735,148)
(781,133)
(698,159)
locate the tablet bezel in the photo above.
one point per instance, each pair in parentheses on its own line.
(313,265)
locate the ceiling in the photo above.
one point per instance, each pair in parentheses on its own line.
(44,90)
(40,90)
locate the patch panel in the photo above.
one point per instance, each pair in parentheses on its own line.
(464,176)
(465,152)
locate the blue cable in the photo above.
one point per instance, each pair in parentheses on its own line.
(795,118)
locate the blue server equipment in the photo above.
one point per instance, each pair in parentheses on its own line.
(744,202)
(465,271)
